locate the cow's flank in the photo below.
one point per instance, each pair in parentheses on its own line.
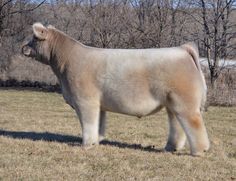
(136,82)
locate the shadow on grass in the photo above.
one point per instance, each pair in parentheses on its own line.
(33,89)
(71,140)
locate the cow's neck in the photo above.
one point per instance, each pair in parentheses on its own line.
(61,47)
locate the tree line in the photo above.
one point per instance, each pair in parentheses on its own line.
(126,24)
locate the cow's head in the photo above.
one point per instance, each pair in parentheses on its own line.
(38,45)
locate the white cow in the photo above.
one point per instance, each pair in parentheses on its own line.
(136,82)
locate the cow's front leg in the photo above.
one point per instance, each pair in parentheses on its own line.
(102,125)
(89,119)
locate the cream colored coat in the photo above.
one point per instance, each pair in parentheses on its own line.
(135,82)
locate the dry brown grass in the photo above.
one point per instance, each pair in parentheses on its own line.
(40,140)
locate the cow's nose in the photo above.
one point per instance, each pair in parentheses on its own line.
(25,49)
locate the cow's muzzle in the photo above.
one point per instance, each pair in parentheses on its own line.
(26,50)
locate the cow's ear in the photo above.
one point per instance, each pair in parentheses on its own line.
(51,27)
(40,31)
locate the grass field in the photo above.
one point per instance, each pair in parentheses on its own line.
(40,139)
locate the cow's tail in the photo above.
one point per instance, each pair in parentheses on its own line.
(192,49)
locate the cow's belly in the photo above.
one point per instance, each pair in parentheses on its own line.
(135,106)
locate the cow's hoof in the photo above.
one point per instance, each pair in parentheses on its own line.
(170,148)
(201,149)
(89,146)
(198,154)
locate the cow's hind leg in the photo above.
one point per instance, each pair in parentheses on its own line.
(177,137)
(102,125)
(89,118)
(195,130)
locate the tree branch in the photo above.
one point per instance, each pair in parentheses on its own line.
(27,10)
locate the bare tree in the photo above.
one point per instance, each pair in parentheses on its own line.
(13,16)
(218,31)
